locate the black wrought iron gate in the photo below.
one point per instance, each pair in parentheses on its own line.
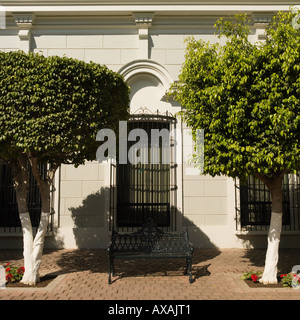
(147,188)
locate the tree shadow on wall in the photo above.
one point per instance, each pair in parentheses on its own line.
(93,214)
(89,218)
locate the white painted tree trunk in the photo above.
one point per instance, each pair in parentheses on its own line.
(33,247)
(27,242)
(270,271)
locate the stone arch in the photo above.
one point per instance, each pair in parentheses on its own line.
(149,82)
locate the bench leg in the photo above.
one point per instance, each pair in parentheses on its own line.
(186,267)
(111,269)
(189,268)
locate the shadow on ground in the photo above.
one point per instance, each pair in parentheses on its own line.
(96,260)
(287,259)
(92,212)
(93,209)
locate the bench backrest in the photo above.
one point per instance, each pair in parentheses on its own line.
(150,239)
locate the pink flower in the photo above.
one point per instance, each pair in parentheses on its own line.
(254,277)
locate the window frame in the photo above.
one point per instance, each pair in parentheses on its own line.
(250,208)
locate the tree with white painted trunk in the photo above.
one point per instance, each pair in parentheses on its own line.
(50,112)
(246,97)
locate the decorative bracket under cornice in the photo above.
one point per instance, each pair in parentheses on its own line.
(24,21)
(143,21)
(261,21)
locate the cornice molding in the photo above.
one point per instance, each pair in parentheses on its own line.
(99,7)
(146,2)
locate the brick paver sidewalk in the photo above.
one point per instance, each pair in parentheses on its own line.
(83,276)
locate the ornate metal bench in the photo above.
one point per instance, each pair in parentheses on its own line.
(150,242)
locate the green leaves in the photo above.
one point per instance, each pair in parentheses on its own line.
(238,27)
(246,97)
(53,107)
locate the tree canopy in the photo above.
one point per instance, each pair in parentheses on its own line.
(246,98)
(53,107)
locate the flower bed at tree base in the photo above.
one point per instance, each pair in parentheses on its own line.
(44,281)
(284,280)
(257,284)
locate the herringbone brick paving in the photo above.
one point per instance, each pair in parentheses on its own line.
(83,276)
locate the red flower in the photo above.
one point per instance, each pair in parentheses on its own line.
(8,277)
(283,275)
(21,270)
(7,264)
(7,269)
(254,277)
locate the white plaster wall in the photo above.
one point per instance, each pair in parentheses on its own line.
(9,40)
(104,46)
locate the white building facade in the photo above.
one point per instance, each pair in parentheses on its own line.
(145,42)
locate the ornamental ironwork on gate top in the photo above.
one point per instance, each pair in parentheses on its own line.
(145,114)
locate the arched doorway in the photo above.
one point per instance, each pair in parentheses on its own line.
(147,188)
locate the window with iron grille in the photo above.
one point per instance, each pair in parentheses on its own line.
(9,216)
(253,204)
